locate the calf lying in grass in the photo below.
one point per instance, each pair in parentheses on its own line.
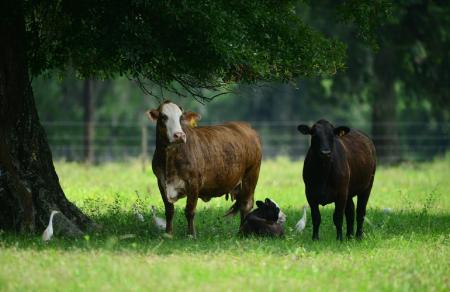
(266,220)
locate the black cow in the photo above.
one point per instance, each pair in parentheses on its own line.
(339,165)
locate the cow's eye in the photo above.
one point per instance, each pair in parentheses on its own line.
(164,117)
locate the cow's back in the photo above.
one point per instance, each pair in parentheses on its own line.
(234,143)
(361,157)
(219,156)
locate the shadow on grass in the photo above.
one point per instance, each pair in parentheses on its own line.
(121,232)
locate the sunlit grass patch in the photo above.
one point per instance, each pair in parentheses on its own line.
(406,246)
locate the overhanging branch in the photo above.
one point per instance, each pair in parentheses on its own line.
(190,88)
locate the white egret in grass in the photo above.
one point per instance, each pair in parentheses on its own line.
(127,236)
(138,214)
(48,232)
(302,222)
(366,219)
(160,223)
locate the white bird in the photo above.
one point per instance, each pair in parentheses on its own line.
(138,215)
(48,232)
(160,223)
(127,236)
(302,222)
(366,219)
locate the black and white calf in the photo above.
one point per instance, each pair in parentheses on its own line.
(267,220)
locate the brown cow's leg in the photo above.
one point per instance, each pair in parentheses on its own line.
(338,217)
(169,209)
(350,217)
(191,204)
(316,219)
(245,196)
(245,208)
(245,200)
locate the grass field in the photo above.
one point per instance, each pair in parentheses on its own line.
(406,249)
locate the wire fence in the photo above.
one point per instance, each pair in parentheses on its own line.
(118,141)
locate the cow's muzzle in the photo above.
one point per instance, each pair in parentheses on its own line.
(325,153)
(172,200)
(179,137)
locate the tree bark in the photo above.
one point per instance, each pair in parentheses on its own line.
(384,108)
(29,185)
(88,105)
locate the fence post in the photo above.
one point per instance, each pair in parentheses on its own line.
(143,146)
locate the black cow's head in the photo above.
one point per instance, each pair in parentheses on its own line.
(323,134)
(170,118)
(270,211)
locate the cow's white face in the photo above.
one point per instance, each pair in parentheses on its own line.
(281,215)
(171,116)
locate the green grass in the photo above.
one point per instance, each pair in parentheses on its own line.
(407,249)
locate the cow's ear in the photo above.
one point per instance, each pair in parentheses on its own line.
(191,119)
(153,115)
(269,202)
(341,131)
(304,129)
(259,204)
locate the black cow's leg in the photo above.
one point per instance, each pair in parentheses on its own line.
(338,218)
(191,204)
(315,215)
(350,217)
(169,208)
(361,213)
(361,210)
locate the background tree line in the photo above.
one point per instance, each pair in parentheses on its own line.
(394,86)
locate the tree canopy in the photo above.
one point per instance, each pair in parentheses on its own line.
(199,44)
(413,52)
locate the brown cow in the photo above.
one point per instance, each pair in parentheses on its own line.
(203,162)
(340,164)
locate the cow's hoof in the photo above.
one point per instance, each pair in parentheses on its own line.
(167,235)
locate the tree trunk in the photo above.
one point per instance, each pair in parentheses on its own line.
(384,108)
(88,106)
(29,185)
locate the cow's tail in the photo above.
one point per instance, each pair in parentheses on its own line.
(233,210)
